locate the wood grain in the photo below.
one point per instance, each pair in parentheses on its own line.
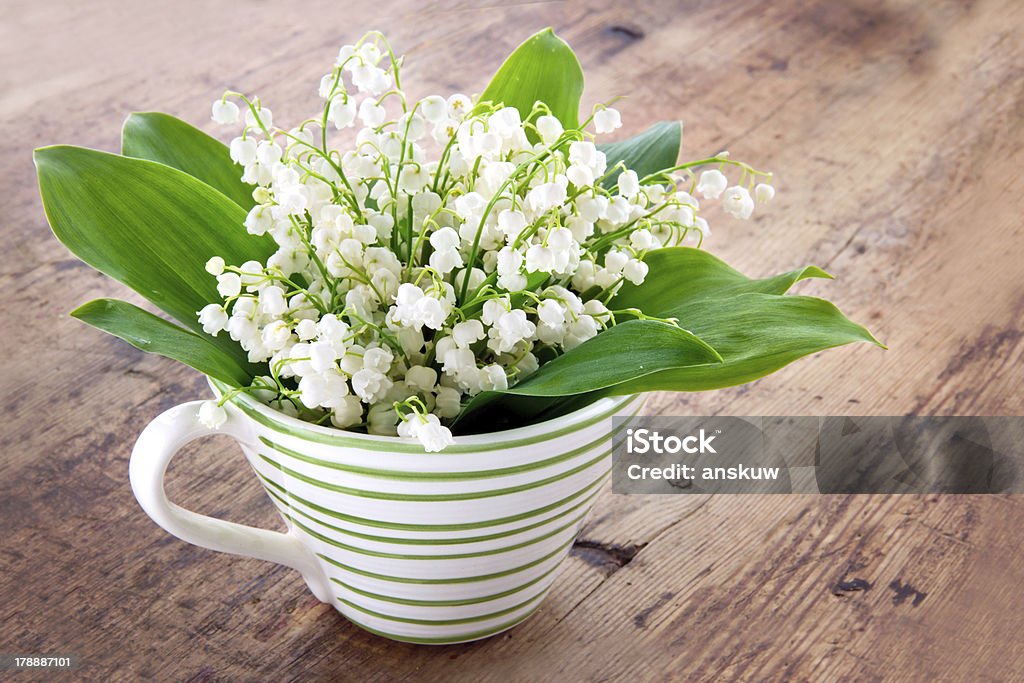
(896,131)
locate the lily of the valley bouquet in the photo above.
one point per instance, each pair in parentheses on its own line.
(430,267)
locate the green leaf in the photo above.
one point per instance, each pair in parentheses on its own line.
(542,69)
(756,334)
(171,141)
(685,274)
(656,149)
(749,322)
(147,332)
(651,346)
(149,226)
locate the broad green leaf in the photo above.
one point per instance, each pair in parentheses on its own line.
(749,322)
(147,225)
(685,274)
(656,149)
(756,334)
(542,69)
(651,346)
(163,138)
(147,332)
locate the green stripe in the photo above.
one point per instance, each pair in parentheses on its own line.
(433,497)
(441,622)
(433,527)
(429,541)
(445,640)
(396,445)
(445,603)
(458,556)
(448,580)
(443,476)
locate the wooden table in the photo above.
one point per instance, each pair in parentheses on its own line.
(896,131)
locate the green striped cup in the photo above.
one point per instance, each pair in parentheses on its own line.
(420,547)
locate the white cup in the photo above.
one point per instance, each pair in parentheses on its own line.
(420,547)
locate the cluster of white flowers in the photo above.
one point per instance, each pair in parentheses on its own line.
(448,248)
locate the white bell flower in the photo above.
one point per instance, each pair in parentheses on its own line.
(215,266)
(446,261)
(511,222)
(213,318)
(272,301)
(579,175)
(434,109)
(305,330)
(345,54)
(428,430)
(511,328)
(448,402)
(266,117)
(467,332)
(348,411)
(738,203)
(540,259)
(585,153)
(369,53)
(313,390)
(580,330)
(635,271)
(412,179)
(470,207)
(276,335)
(212,415)
(323,356)
(493,310)
(585,276)
(421,378)
(371,113)
(618,211)
(381,419)
(444,239)
(341,113)
(458,106)
(493,378)
(550,128)
(629,184)
(243,151)
(224,112)
(592,208)
(370,385)
(712,184)
(505,121)
(606,120)
(229,284)
(378,358)
(642,240)
(547,196)
(370,79)
(457,361)
(551,312)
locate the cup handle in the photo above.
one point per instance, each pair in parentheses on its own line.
(157,444)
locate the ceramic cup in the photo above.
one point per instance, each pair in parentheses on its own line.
(420,547)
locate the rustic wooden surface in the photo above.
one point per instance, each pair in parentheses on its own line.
(896,130)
